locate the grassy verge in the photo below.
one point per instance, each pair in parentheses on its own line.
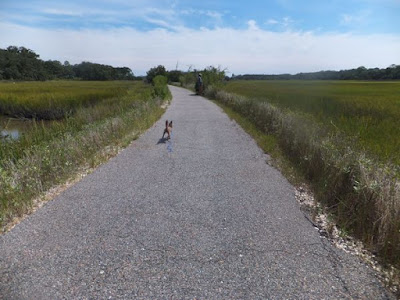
(363,195)
(47,156)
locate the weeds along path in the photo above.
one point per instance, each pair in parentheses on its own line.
(201,216)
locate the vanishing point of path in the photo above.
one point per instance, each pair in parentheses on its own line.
(201,217)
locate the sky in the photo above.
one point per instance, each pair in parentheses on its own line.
(243,37)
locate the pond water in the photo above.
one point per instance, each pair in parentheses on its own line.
(11,128)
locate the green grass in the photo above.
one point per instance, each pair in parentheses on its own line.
(47,155)
(55,99)
(368,112)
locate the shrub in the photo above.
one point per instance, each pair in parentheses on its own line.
(212,76)
(160,87)
(153,72)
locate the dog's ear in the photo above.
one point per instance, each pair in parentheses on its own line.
(170,124)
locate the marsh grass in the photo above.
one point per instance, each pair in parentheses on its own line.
(52,100)
(48,155)
(362,194)
(369,112)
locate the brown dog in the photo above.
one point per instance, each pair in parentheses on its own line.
(168,129)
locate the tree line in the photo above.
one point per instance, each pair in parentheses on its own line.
(20,63)
(210,75)
(390,73)
(361,73)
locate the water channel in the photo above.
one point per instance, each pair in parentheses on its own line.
(12,128)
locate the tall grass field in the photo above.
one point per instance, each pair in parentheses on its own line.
(343,137)
(90,119)
(55,99)
(369,112)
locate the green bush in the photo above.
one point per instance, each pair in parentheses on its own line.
(187,79)
(153,72)
(160,87)
(212,76)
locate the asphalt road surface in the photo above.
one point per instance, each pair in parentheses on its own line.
(201,216)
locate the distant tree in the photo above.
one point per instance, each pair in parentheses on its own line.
(153,72)
(123,74)
(20,63)
(173,76)
(213,76)
(12,49)
(54,69)
(92,71)
(396,72)
(361,73)
(12,73)
(68,72)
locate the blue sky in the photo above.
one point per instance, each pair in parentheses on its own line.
(272,36)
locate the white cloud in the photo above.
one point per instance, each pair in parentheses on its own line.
(217,16)
(213,14)
(285,22)
(70,9)
(62,12)
(252,25)
(251,50)
(164,15)
(346,19)
(272,21)
(83,13)
(162,24)
(358,18)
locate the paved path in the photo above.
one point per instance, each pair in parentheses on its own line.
(201,218)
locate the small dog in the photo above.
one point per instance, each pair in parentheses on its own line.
(168,129)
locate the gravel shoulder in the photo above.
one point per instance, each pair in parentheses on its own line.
(199,217)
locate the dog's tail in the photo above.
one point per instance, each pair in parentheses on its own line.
(166,124)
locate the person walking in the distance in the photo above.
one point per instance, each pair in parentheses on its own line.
(199,85)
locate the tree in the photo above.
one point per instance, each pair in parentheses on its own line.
(153,72)
(68,72)
(213,76)
(54,69)
(173,76)
(19,63)
(123,74)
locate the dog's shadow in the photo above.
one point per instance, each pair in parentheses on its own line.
(162,141)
